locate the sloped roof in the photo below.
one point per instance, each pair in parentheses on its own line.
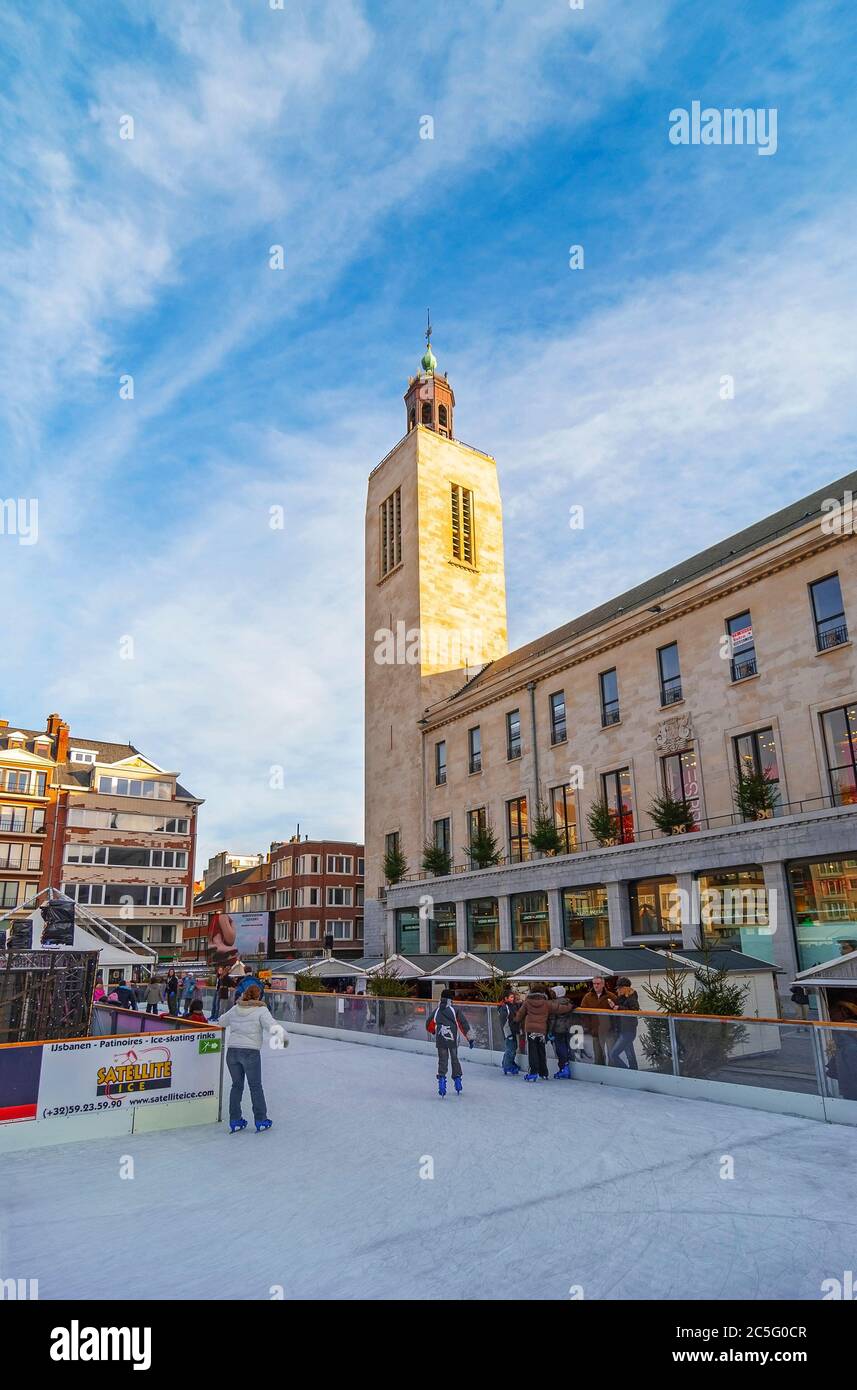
(216,891)
(704,562)
(724,958)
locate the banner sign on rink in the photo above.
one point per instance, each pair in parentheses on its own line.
(99,1074)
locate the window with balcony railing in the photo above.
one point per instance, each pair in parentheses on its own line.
(513,734)
(474,749)
(609,685)
(828,611)
(669,672)
(742,647)
(557,716)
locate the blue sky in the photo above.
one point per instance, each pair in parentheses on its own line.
(256,388)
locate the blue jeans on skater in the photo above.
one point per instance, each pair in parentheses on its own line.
(626,1046)
(510,1052)
(563,1053)
(246,1062)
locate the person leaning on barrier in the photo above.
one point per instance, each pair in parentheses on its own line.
(843,1063)
(562,1024)
(599,1026)
(627,1004)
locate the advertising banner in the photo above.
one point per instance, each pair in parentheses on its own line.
(111,1073)
(235,934)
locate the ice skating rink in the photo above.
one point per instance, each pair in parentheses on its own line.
(537,1189)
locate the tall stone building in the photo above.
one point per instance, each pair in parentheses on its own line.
(435,608)
(734,664)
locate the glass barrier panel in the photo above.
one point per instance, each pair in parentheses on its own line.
(403,1018)
(638,1044)
(838,1056)
(318,1009)
(746,1053)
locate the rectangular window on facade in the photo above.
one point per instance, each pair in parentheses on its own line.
(442,831)
(755,755)
(8,894)
(339,897)
(477,819)
(824,895)
(391,532)
(828,612)
(483,925)
(681,780)
(617,793)
(530,926)
(742,646)
(609,685)
(34,857)
(584,915)
(440,763)
(518,827)
(13,818)
(11,856)
(281,931)
(37,823)
(361,867)
(284,897)
(339,930)
(339,863)
(474,749)
(654,906)
(840,745)
(669,673)
(564,808)
(557,713)
(392,842)
(461,510)
(358,895)
(513,734)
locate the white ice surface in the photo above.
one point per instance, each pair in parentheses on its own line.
(537,1188)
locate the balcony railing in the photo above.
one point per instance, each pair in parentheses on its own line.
(610,714)
(733,818)
(832,637)
(475,764)
(671,692)
(744,668)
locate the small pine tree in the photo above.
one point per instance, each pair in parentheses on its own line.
(483,850)
(309,984)
(544,836)
(437,861)
(755,795)
(387,983)
(705,1047)
(395,865)
(603,822)
(670,815)
(495,988)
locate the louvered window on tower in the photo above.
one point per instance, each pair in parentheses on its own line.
(391,532)
(462,524)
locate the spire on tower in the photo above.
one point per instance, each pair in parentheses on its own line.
(429,361)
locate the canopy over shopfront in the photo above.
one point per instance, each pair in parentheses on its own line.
(829,980)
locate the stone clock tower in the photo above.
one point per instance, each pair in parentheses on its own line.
(435,615)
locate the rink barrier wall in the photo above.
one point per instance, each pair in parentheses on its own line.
(51,1091)
(776,1065)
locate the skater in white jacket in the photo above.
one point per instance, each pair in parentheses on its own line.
(250,1023)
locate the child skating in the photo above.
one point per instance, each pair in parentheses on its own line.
(445,1025)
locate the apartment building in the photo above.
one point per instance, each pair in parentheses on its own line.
(219,865)
(316,894)
(736,663)
(27,794)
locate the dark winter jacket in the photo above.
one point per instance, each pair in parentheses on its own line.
(537,1010)
(171,985)
(627,1026)
(446,1023)
(509,1020)
(126,997)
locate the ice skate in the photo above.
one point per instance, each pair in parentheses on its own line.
(441,1086)
(456,1081)
(236,1125)
(262,1124)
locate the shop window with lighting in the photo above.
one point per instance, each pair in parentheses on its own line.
(584,913)
(517,826)
(616,787)
(681,780)
(654,906)
(609,684)
(408,931)
(824,902)
(669,672)
(828,612)
(530,927)
(733,910)
(441,933)
(557,713)
(756,755)
(742,647)
(840,744)
(483,924)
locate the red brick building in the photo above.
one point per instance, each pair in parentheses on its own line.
(316,894)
